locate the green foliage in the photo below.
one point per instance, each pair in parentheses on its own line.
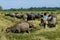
(32,9)
(1,8)
(35,34)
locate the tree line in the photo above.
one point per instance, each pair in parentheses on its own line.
(32,9)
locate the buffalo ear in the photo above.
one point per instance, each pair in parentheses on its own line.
(7,30)
(30,25)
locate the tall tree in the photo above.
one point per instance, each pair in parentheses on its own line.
(1,8)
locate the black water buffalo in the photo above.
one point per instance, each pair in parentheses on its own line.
(10,14)
(30,17)
(19,16)
(37,15)
(20,27)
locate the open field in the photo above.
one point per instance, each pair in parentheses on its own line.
(35,34)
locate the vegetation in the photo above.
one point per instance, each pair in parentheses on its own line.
(32,9)
(36,34)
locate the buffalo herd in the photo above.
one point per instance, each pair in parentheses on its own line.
(24,16)
(25,26)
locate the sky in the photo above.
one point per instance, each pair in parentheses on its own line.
(7,4)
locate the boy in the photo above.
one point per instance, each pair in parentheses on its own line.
(45,20)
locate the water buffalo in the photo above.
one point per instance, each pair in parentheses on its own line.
(20,27)
(30,17)
(25,17)
(51,21)
(37,15)
(10,14)
(19,16)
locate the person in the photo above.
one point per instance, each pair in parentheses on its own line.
(45,17)
(42,21)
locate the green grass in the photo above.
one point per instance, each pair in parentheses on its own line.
(36,34)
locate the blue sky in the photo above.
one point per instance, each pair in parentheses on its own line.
(6,4)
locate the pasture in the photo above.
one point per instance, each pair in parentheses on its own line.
(36,34)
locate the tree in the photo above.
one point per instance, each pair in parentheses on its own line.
(1,8)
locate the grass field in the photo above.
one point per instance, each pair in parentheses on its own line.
(36,34)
